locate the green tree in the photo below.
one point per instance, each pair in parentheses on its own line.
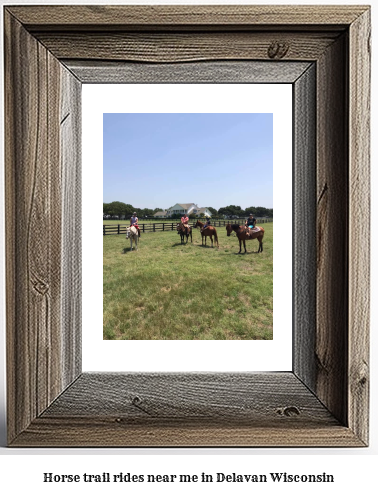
(106,209)
(250,210)
(260,212)
(117,208)
(269,212)
(128,210)
(147,212)
(231,210)
(214,213)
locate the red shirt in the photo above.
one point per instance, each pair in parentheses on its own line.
(184,219)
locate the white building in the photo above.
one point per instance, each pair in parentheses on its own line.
(187,208)
(161,214)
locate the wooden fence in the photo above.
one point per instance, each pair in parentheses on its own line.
(148,227)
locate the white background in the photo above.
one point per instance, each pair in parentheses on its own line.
(354,469)
(186,355)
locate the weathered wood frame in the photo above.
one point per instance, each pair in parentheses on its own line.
(324,400)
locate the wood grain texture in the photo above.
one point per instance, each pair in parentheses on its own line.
(304,224)
(70,161)
(32,190)
(202,72)
(33,233)
(265,398)
(332,230)
(170,16)
(197,409)
(180,47)
(100,432)
(359,210)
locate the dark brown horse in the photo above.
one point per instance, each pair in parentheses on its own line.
(184,231)
(243,234)
(208,231)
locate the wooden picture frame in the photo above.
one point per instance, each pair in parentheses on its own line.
(49,52)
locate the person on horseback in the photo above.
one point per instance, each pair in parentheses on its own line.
(185,220)
(207,224)
(134,222)
(250,223)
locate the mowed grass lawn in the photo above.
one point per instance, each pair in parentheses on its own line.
(170,291)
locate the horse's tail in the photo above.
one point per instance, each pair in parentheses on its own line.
(261,235)
(216,237)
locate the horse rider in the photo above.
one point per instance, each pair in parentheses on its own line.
(134,222)
(207,224)
(250,223)
(185,220)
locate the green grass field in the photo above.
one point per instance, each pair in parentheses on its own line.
(171,291)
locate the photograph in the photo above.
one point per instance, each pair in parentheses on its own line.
(188,226)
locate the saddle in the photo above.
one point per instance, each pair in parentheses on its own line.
(250,231)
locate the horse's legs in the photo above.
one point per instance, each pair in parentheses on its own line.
(211,241)
(239,245)
(245,248)
(260,245)
(136,243)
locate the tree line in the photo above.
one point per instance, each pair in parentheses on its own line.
(120,210)
(237,211)
(124,210)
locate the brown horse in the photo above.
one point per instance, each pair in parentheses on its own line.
(243,234)
(209,231)
(183,231)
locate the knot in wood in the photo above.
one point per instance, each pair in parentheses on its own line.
(363,381)
(41,287)
(136,400)
(288,411)
(277,50)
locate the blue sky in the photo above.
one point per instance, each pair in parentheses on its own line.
(214,160)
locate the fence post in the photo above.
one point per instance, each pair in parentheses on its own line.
(163,225)
(172,226)
(104,230)
(118,228)
(143,227)
(153,227)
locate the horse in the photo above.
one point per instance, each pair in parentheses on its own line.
(183,231)
(132,234)
(243,234)
(209,231)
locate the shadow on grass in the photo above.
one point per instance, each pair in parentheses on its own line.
(180,244)
(128,250)
(207,247)
(229,254)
